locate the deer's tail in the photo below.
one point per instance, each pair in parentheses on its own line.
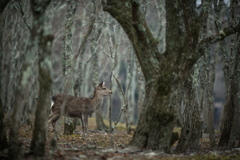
(53,99)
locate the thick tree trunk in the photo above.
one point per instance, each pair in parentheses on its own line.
(228,114)
(156,121)
(163,72)
(234,137)
(191,129)
(3,138)
(68,58)
(45,80)
(210,98)
(229,107)
(16,118)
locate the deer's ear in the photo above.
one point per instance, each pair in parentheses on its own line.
(100,84)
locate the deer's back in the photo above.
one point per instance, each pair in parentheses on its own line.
(79,106)
(75,106)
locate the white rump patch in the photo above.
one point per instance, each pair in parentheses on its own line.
(52,103)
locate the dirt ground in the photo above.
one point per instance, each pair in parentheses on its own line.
(99,146)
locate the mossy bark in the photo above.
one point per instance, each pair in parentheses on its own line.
(163,72)
(234,137)
(68,58)
(191,129)
(231,109)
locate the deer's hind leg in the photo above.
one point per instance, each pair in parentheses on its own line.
(82,124)
(53,119)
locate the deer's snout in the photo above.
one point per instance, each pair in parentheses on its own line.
(110,92)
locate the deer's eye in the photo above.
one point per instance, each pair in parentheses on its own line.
(104,88)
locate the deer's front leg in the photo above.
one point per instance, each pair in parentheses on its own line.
(86,125)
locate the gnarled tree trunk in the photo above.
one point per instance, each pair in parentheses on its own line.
(163,72)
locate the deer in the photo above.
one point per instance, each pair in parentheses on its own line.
(77,107)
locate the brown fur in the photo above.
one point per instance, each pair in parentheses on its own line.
(78,107)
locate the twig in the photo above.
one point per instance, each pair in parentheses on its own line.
(23,121)
(85,65)
(101,47)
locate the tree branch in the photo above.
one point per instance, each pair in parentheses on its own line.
(130,17)
(220,36)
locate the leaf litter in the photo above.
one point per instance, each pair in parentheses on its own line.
(99,146)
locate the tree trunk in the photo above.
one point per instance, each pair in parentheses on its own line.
(126,98)
(234,137)
(3,138)
(191,129)
(99,118)
(96,36)
(45,81)
(141,87)
(210,98)
(133,90)
(229,107)
(157,119)
(68,58)
(163,72)
(16,118)
(79,60)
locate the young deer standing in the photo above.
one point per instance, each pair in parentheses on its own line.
(80,107)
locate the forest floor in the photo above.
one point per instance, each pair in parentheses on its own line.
(98,146)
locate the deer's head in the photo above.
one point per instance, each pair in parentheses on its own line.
(103,90)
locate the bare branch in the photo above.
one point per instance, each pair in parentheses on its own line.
(220,36)
(120,86)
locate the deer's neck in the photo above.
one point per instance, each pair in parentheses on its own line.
(97,101)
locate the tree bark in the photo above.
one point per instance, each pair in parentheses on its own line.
(231,110)
(192,124)
(234,137)
(45,80)
(141,87)
(126,97)
(68,58)
(163,72)
(3,138)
